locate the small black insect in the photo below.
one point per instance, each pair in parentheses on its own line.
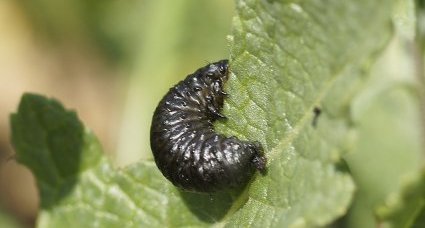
(185,146)
(317,111)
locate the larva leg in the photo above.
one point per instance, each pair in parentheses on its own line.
(259,160)
(215,113)
(214,109)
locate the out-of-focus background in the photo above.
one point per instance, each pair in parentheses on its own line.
(110,61)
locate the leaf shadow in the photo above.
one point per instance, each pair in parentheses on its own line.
(211,207)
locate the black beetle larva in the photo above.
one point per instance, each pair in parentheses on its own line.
(185,146)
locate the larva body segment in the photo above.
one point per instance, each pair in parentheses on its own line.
(185,146)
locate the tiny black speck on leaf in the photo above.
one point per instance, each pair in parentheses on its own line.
(317,111)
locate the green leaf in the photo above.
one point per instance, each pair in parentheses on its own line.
(286,59)
(80,187)
(407,208)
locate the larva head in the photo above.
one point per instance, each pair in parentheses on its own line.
(216,72)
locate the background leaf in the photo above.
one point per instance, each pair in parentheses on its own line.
(387,114)
(407,208)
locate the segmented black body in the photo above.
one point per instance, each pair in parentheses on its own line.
(185,146)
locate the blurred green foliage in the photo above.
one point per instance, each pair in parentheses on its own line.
(119,28)
(7,221)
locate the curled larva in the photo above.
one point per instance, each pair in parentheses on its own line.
(185,146)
